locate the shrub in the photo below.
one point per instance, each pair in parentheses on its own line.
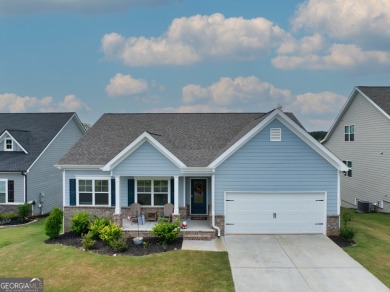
(167,232)
(80,223)
(9,216)
(347,233)
(97,225)
(88,241)
(24,210)
(53,223)
(111,232)
(119,244)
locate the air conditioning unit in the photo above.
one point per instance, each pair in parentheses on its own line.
(364,206)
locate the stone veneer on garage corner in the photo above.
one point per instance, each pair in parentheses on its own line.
(333,225)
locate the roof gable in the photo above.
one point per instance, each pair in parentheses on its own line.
(378,96)
(34,132)
(18,137)
(293,127)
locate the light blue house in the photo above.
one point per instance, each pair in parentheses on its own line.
(247,173)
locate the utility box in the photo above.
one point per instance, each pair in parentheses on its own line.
(364,206)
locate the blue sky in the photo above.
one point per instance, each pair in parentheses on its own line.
(96,56)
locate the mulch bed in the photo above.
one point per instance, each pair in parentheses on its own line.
(342,242)
(7,222)
(152,247)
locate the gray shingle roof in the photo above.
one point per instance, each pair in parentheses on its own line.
(194,138)
(33,131)
(378,94)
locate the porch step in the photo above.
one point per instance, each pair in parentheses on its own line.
(198,217)
(198,235)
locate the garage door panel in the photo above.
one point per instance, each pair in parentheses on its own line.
(275,213)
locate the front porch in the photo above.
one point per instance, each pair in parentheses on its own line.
(196,229)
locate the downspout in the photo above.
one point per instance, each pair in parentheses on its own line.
(213,205)
(24,173)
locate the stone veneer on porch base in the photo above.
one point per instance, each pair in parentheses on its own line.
(8,208)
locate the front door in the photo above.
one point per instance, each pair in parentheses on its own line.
(198,197)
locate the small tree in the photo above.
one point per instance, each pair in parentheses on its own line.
(346,232)
(53,223)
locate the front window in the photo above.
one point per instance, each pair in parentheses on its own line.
(349,133)
(93,192)
(8,145)
(152,192)
(3,191)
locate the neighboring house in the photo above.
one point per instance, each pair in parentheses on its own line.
(248,173)
(30,145)
(360,137)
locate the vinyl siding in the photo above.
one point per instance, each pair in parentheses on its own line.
(290,165)
(370,168)
(18,179)
(146,161)
(43,176)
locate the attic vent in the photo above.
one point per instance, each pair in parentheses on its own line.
(276,134)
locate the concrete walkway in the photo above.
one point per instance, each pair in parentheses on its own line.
(295,263)
(216,244)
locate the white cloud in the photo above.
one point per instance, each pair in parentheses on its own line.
(10,102)
(345,19)
(77,6)
(318,103)
(338,56)
(125,85)
(241,91)
(192,39)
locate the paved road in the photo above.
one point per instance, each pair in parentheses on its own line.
(295,263)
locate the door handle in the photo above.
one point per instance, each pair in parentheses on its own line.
(274,215)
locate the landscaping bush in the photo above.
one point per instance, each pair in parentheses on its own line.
(111,232)
(8,216)
(53,223)
(88,241)
(166,231)
(80,223)
(24,210)
(119,244)
(347,233)
(97,225)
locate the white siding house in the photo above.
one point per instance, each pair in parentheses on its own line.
(365,149)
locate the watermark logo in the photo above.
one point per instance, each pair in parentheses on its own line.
(21,284)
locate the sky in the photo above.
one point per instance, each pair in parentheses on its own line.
(118,56)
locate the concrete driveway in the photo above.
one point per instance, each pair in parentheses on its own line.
(295,263)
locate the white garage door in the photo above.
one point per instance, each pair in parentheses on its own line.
(275,213)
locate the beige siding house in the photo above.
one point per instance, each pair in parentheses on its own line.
(360,136)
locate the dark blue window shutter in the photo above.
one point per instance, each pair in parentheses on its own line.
(11,191)
(113,192)
(72,192)
(172,191)
(130,192)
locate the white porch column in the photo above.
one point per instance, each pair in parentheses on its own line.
(176,195)
(117,196)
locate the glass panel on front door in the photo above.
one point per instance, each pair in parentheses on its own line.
(198,196)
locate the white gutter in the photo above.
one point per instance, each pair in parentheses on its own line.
(213,205)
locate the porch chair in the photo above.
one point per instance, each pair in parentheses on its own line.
(135,211)
(168,211)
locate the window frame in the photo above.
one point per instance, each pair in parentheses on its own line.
(6,189)
(348,163)
(93,179)
(152,191)
(5,144)
(350,134)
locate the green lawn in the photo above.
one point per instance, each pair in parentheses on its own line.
(373,243)
(24,254)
